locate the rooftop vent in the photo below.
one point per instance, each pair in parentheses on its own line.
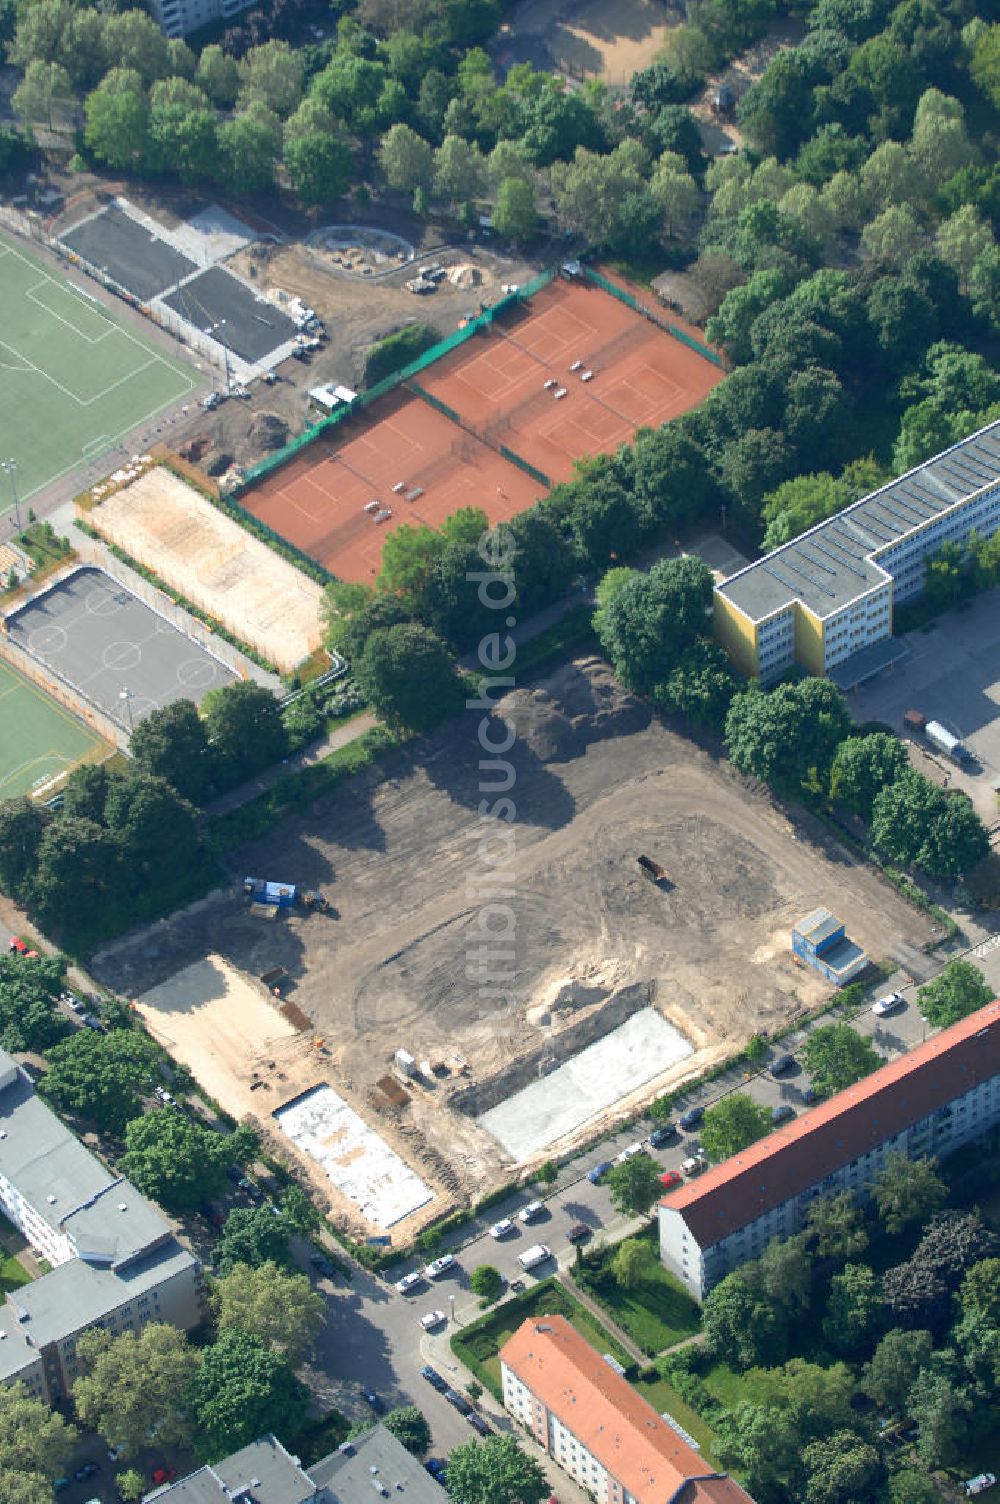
(3,1133)
(123,1206)
(51,1199)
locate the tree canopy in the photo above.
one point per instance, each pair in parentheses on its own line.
(634,1184)
(134,1389)
(495,1471)
(100,1077)
(836,1056)
(273,1304)
(734,1123)
(243,1389)
(179,1161)
(957,991)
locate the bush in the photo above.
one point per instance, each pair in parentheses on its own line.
(389,355)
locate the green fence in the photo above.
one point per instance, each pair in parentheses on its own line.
(647,313)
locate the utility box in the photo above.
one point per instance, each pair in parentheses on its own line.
(820,941)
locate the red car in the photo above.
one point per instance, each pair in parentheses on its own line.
(163,1474)
(18,947)
(670,1178)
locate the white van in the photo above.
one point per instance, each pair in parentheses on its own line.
(532,1257)
(694,1166)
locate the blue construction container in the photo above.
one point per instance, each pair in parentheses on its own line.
(820,941)
(281,895)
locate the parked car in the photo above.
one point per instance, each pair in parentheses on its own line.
(409,1282)
(531,1212)
(781,1113)
(375,1401)
(781,1064)
(502,1229)
(662,1135)
(810,1095)
(433,1378)
(440,1266)
(163,1474)
(979,1484)
(628,1153)
(432,1319)
(597,1174)
(695,1165)
(479,1425)
(671,1178)
(459,1401)
(437,1467)
(888,1004)
(532,1257)
(322,1265)
(691,1118)
(579,1232)
(252,1189)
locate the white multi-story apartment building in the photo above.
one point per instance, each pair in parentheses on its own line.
(941,1094)
(176,18)
(824,601)
(597,1427)
(116,1261)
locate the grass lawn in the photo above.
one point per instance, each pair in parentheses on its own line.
(73,380)
(478,1344)
(657,1313)
(662,1396)
(725,1384)
(38,738)
(12,1274)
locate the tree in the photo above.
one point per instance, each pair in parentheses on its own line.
(836,1056)
(279,1307)
(218,74)
(985,65)
(911,1487)
(131,1485)
(249,146)
(853,1309)
(836,1224)
(22,825)
(176,1160)
(676,194)
(783,1275)
(862,767)
(961,240)
(634,1185)
(515,216)
(894,1365)
(254,1235)
(100,1077)
(117,114)
(734,1123)
(244,728)
(907,1190)
(957,991)
(980,1293)
(920,825)
(740,1325)
(134,1389)
(272,75)
(700,686)
(35,1441)
(799,503)
(136,43)
(45,96)
(244,1389)
(486,1282)
(182,131)
(172,743)
(631,1263)
(787,737)
(940,1408)
(763,1442)
(459,171)
(495,1471)
(841,1468)
(407,677)
(653,617)
(408,1425)
(28,1019)
(589,191)
(319,167)
(406,159)
(156,828)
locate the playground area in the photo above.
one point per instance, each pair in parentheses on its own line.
(73,380)
(170,528)
(111,650)
(570,372)
(39,740)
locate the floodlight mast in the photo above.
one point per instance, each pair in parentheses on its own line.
(10,466)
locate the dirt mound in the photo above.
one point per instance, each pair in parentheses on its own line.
(268,430)
(583,703)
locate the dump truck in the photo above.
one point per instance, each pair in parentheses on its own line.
(312,898)
(940,737)
(653,871)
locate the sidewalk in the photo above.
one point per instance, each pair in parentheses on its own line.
(315,752)
(600,1314)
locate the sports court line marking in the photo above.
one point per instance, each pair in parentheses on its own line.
(67,287)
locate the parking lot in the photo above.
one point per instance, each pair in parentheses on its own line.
(952,674)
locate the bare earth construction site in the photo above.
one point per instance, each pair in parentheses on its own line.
(413,953)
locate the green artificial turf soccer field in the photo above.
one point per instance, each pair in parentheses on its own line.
(73,380)
(38,738)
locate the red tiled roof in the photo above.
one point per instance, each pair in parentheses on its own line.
(607,1416)
(852,1123)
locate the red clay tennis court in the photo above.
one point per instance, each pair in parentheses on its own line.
(570,374)
(403,457)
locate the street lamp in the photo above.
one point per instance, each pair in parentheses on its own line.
(451,1305)
(213,329)
(126,695)
(11,468)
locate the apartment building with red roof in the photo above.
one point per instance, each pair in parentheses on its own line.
(936,1097)
(597,1427)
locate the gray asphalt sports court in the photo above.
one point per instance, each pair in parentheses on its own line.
(251,326)
(103,641)
(134,257)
